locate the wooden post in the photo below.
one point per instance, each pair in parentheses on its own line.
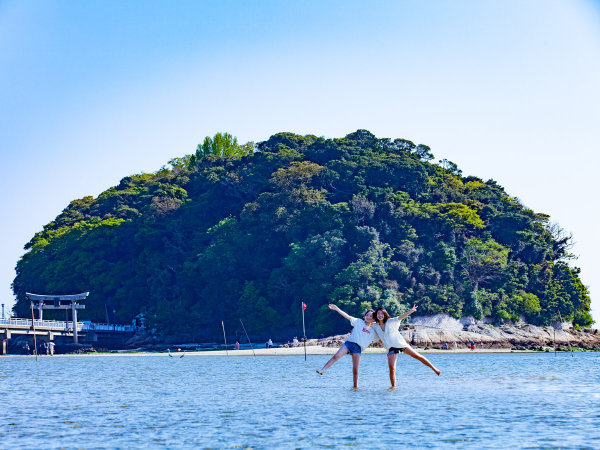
(561,322)
(74,312)
(225,338)
(34,338)
(4,342)
(248,337)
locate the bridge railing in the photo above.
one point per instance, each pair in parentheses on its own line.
(107,327)
(56,324)
(61,325)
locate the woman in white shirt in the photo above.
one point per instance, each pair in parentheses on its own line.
(361,337)
(387,329)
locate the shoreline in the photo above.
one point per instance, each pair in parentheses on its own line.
(426,334)
(283,351)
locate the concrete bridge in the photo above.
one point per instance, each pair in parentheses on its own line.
(52,328)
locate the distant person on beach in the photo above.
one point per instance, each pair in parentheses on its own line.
(295,342)
(237,345)
(51,348)
(361,337)
(387,328)
(27,349)
(269,343)
(472,345)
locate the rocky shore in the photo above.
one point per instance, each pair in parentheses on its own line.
(434,331)
(430,333)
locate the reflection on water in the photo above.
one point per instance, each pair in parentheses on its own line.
(481,400)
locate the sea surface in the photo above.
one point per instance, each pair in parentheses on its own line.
(512,400)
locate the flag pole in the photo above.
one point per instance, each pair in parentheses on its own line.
(224,338)
(303,328)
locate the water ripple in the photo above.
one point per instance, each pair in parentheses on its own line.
(481,401)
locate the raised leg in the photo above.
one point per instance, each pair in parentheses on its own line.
(410,352)
(341,352)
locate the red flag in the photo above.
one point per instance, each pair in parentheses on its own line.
(303,306)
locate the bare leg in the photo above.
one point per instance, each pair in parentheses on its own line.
(341,352)
(355,364)
(392,366)
(410,352)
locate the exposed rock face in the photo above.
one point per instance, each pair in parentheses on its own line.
(435,331)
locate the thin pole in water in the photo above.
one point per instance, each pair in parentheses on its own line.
(554,340)
(247,337)
(224,338)
(568,343)
(33,328)
(303,306)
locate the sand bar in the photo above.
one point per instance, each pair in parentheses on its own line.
(277,351)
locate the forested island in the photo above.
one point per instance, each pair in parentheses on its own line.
(249,231)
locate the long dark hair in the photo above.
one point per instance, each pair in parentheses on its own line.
(386,315)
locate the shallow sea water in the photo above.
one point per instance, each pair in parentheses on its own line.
(481,401)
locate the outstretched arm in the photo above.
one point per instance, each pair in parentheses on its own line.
(405,315)
(342,313)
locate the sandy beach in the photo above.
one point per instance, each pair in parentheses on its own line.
(278,351)
(318,350)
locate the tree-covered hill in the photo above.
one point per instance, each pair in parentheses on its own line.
(249,231)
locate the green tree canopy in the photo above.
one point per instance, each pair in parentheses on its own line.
(223,144)
(242,231)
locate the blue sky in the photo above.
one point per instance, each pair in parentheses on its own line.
(94,91)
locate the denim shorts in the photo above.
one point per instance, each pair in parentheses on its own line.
(396,350)
(352,347)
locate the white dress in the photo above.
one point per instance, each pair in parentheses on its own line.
(391,336)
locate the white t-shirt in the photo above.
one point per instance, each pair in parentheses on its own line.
(361,334)
(391,336)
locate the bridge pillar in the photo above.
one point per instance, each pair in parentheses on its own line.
(74,313)
(4,337)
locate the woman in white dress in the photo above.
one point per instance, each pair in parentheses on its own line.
(387,328)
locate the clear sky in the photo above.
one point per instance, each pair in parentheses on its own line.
(92,91)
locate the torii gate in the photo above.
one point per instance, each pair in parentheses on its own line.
(59,302)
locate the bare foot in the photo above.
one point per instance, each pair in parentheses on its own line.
(320,372)
(437,372)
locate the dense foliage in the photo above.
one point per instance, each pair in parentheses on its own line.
(243,231)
